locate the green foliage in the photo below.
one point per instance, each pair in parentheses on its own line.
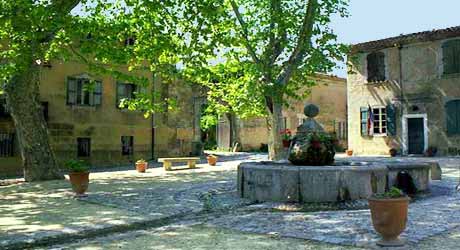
(141,161)
(77,166)
(210,145)
(394,192)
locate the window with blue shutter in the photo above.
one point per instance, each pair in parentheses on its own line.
(453,117)
(391,120)
(364,115)
(451,57)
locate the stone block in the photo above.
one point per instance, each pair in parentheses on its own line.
(362,182)
(319,184)
(268,183)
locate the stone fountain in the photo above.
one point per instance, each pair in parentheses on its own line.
(311,175)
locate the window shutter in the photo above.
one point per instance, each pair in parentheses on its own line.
(381,66)
(452,117)
(391,120)
(98,93)
(376,67)
(364,114)
(451,57)
(71,91)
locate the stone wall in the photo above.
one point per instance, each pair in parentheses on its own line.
(416,86)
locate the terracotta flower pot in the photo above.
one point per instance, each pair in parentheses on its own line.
(389,217)
(212,160)
(141,166)
(80,182)
(286,143)
(349,152)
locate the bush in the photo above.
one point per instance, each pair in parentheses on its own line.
(77,166)
(394,192)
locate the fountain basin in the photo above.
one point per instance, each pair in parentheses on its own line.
(284,182)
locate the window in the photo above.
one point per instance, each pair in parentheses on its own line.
(127,145)
(83,92)
(453,117)
(376,67)
(125,91)
(6,145)
(341,130)
(380,121)
(83,147)
(451,57)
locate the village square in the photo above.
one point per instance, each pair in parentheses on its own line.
(228,124)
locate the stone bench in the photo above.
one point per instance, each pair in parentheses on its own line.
(167,162)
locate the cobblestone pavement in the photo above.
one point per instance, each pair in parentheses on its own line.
(217,219)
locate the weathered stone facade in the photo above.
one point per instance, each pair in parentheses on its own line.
(172,133)
(330,95)
(417,82)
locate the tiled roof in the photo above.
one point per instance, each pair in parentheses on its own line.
(407,39)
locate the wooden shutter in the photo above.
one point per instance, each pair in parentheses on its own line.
(451,57)
(71,91)
(364,115)
(97,95)
(391,120)
(376,67)
(452,115)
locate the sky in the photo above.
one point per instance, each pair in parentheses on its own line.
(377,19)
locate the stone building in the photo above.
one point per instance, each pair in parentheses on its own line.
(403,93)
(329,94)
(90,125)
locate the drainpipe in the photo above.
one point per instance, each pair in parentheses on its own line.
(153,120)
(400,47)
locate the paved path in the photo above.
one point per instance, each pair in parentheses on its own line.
(203,212)
(47,212)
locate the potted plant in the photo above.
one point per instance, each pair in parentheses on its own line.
(431,151)
(393,152)
(78,176)
(349,152)
(389,216)
(212,160)
(141,165)
(287,137)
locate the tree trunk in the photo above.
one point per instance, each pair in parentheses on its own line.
(234,132)
(276,149)
(23,98)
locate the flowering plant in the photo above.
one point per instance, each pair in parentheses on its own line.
(286,134)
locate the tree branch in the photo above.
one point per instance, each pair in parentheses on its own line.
(274,49)
(303,43)
(244,32)
(64,6)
